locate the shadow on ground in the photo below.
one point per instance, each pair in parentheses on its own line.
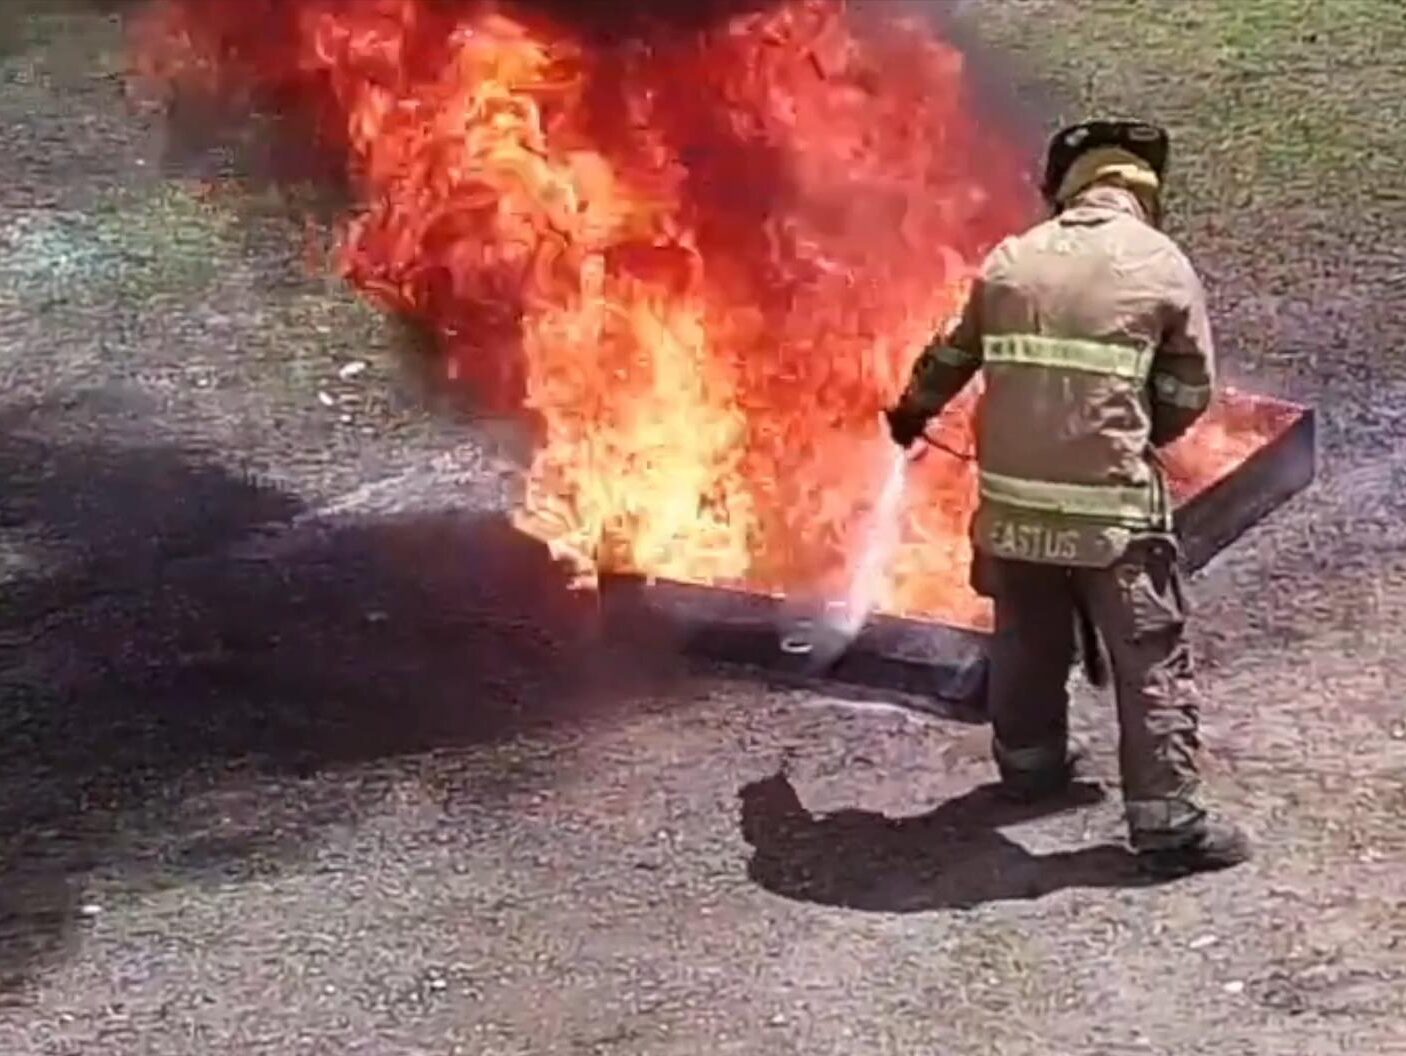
(952,858)
(165,675)
(82,518)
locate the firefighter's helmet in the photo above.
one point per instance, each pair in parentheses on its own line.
(1146,141)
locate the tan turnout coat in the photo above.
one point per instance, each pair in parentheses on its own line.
(1091,332)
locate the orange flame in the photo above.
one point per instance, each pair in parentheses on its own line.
(703,260)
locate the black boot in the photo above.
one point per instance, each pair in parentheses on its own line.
(1034,786)
(1213,844)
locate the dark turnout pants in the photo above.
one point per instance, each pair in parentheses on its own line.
(1138,608)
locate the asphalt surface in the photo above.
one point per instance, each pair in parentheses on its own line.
(303,749)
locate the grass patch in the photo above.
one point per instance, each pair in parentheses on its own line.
(167,242)
(1273,104)
(55,32)
(1286,154)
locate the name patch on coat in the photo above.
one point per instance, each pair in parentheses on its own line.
(1033,542)
(1017,535)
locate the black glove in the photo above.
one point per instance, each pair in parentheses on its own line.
(905,424)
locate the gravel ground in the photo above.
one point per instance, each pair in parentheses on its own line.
(303,750)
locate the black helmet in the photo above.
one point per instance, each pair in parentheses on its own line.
(1148,142)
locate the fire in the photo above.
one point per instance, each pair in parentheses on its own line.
(1236,426)
(702,258)
(929,571)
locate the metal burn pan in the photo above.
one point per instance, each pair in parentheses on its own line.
(937,666)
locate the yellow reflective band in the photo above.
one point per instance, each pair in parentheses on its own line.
(1093,357)
(1114,502)
(1178,393)
(951,357)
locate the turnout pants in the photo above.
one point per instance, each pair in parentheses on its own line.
(1139,611)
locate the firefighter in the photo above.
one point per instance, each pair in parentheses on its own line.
(1092,336)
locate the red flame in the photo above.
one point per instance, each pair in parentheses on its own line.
(703,259)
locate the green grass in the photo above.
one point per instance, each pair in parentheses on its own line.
(1287,151)
(164,243)
(1274,104)
(55,31)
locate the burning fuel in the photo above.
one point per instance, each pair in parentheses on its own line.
(701,254)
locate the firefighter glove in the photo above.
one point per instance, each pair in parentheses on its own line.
(905,424)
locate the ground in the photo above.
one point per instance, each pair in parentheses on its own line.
(303,750)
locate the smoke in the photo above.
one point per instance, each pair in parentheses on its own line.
(1003,95)
(631,19)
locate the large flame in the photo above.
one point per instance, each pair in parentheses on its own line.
(702,258)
